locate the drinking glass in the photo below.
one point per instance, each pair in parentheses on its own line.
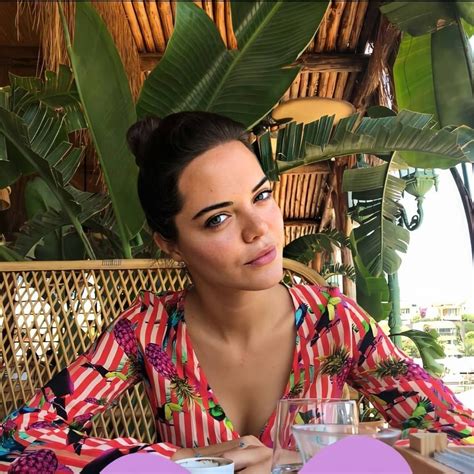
(338,419)
(305,411)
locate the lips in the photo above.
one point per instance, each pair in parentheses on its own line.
(264,257)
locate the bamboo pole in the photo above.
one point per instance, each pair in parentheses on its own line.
(207,4)
(341,85)
(334,20)
(295,87)
(166,17)
(156,27)
(313,84)
(331,84)
(134,26)
(219,18)
(358,24)
(142,17)
(347,24)
(231,39)
(303,84)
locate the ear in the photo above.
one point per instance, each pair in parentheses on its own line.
(170,247)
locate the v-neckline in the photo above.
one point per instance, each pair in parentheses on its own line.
(203,378)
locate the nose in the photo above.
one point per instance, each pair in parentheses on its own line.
(254,227)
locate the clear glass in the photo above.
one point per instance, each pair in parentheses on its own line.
(305,411)
(311,438)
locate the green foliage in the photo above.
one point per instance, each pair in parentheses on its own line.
(304,248)
(419,18)
(337,269)
(35,140)
(244,84)
(406,132)
(378,237)
(428,347)
(409,348)
(109,110)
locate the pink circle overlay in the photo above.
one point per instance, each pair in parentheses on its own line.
(142,463)
(357,454)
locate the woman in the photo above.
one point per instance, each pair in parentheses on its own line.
(218,356)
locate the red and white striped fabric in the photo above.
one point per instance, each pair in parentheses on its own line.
(336,343)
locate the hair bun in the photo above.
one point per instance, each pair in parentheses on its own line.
(138,136)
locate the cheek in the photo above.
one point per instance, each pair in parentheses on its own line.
(212,251)
(275,218)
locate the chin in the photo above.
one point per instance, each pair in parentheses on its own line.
(265,277)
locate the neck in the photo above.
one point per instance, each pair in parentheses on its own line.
(236,316)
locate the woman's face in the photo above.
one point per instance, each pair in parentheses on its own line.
(230,228)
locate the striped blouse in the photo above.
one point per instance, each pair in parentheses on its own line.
(336,343)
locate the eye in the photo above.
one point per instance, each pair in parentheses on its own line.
(216,221)
(264,195)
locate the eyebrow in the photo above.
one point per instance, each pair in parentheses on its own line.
(226,203)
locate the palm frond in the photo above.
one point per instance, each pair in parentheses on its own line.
(338,269)
(304,248)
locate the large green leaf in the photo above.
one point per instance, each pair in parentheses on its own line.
(407,131)
(27,137)
(10,169)
(433,75)
(197,72)
(57,91)
(49,221)
(45,133)
(418,18)
(373,293)
(429,349)
(109,110)
(378,238)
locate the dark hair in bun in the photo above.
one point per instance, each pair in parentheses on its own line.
(163,148)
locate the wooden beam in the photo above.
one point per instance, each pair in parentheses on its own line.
(311,62)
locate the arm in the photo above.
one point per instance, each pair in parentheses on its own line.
(404,393)
(59,415)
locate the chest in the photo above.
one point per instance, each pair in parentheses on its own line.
(247,385)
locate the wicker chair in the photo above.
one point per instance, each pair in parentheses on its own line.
(50,312)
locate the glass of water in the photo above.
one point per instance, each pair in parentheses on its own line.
(304,411)
(338,419)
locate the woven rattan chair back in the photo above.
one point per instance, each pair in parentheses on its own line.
(50,312)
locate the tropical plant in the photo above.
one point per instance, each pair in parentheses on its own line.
(99,98)
(34,138)
(433,74)
(377,242)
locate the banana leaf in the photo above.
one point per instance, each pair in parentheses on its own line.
(373,293)
(38,199)
(57,91)
(37,139)
(9,255)
(46,133)
(338,269)
(244,84)
(109,111)
(51,220)
(304,248)
(433,74)
(407,131)
(418,18)
(466,11)
(429,349)
(378,238)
